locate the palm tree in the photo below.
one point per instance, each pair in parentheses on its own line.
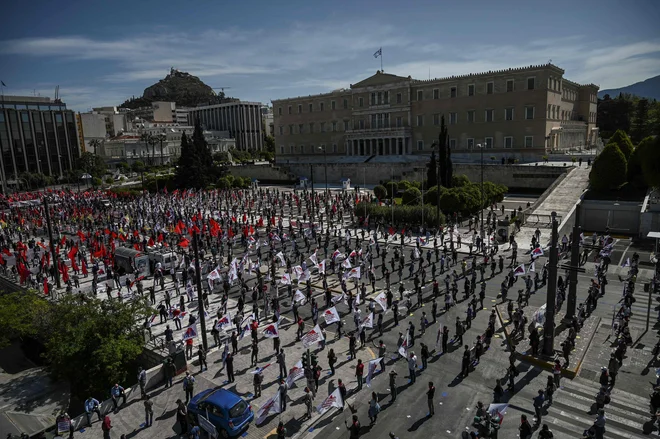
(95,144)
(149,139)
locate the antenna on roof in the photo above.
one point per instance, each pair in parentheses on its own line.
(549,61)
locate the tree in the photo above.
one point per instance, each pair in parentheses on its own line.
(94,344)
(91,164)
(269,143)
(432,172)
(138,166)
(95,145)
(609,169)
(392,188)
(20,315)
(411,197)
(650,159)
(380,192)
(444,156)
(623,142)
(123,166)
(152,140)
(635,174)
(641,125)
(195,167)
(460,180)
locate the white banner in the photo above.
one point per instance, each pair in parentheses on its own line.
(331,315)
(368,321)
(271,331)
(381,300)
(373,364)
(312,337)
(295,373)
(270,407)
(333,400)
(223,322)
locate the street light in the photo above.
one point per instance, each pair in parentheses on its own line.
(86,178)
(161,137)
(481,148)
(325,159)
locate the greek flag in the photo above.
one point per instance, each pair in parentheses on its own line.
(378,53)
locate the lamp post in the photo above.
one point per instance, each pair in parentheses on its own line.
(481,230)
(549,326)
(437,180)
(325,160)
(52,245)
(161,137)
(200,299)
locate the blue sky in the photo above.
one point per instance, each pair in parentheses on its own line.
(102,52)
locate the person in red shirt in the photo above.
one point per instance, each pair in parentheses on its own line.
(359,372)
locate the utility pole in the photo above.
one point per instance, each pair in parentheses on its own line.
(311,219)
(549,327)
(52,246)
(573,269)
(200,300)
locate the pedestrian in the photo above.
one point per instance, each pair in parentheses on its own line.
(332,359)
(599,424)
(556,373)
(257,379)
(254,353)
(550,389)
(170,372)
(230,367)
(281,360)
(359,372)
(188,386)
(374,408)
(281,430)
(412,367)
(307,399)
(283,390)
(465,363)
(354,428)
(430,393)
(525,428)
(182,416)
(106,427)
(538,406)
(342,392)
(393,388)
(142,381)
(425,355)
(545,432)
(92,406)
(201,355)
(116,392)
(148,412)
(445,339)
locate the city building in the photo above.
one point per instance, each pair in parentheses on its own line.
(157,143)
(267,123)
(241,119)
(520,113)
(168,112)
(115,120)
(37,135)
(91,126)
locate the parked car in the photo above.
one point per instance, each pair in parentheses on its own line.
(230,413)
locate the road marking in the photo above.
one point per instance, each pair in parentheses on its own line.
(623,255)
(373,356)
(270,433)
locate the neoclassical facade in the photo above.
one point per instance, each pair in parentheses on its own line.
(530,110)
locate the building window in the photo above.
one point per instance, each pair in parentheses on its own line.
(334,148)
(281,130)
(281,149)
(490,88)
(279,113)
(436,93)
(529,113)
(311,127)
(361,102)
(529,141)
(420,120)
(312,150)
(345,125)
(509,85)
(302,149)
(345,104)
(470,143)
(334,126)
(470,116)
(373,121)
(420,145)
(300,128)
(490,115)
(311,108)
(453,118)
(452,92)
(420,95)
(398,98)
(530,83)
(436,119)
(471,90)
(332,105)
(386,97)
(289,109)
(399,122)
(452,143)
(508,142)
(323,127)
(488,142)
(321,106)
(361,124)
(299,108)
(508,114)
(292,149)
(290,129)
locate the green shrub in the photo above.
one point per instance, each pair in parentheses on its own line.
(380,192)
(411,196)
(650,159)
(609,169)
(460,180)
(621,139)
(392,188)
(410,215)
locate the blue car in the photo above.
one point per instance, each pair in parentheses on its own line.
(230,413)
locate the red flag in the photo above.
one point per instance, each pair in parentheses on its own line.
(151,242)
(136,233)
(74,265)
(46,286)
(231,232)
(160,237)
(63,240)
(84,268)
(107,231)
(251,230)
(72,252)
(6,251)
(136,247)
(81,235)
(391,230)
(184,243)
(195,229)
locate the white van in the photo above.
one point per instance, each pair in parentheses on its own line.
(167,260)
